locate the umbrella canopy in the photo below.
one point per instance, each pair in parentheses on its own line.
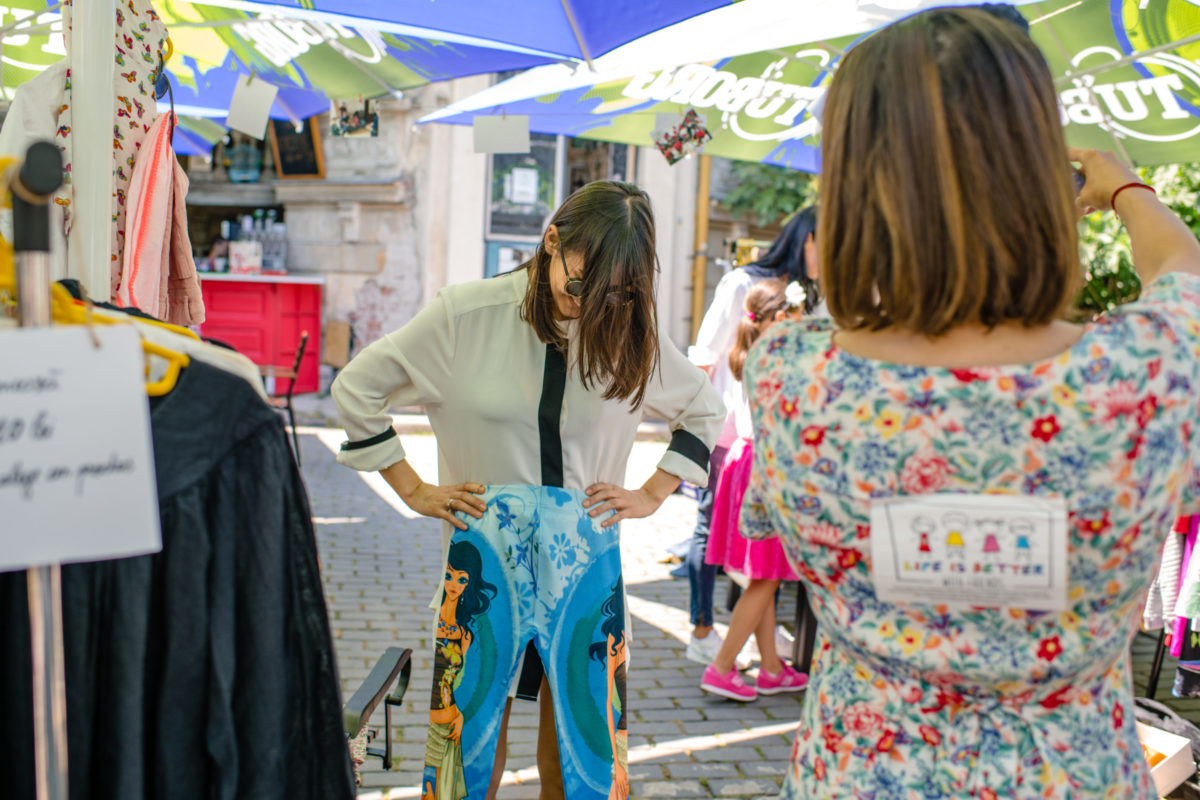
(310,60)
(576,29)
(1129,80)
(196,137)
(1128,76)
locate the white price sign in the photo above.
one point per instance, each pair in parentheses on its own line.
(76,465)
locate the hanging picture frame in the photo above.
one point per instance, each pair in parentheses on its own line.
(298,154)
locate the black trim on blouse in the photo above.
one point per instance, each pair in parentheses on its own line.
(554,384)
(361,444)
(690,447)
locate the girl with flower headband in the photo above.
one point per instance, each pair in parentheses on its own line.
(763,562)
(793,258)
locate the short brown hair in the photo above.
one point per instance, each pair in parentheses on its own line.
(946,194)
(612,225)
(764,300)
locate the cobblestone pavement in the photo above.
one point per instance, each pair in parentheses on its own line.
(380,565)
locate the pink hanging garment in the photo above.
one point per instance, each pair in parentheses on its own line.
(184,300)
(158,275)
(1179,631)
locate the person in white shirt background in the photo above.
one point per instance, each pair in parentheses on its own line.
(792,257)
(540,377)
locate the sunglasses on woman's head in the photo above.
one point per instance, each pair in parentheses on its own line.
(574,286)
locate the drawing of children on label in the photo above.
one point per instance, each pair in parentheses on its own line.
(990,528)
(955,524)
(1021,529)
(923,527)
(467,595)
(611,653)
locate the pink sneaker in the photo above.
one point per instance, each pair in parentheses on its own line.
(728,685)
(788,680)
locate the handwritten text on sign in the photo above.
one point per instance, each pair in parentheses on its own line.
(76,465)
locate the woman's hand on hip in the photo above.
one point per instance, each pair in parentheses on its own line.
(629,504)
(605,497)
(441,502)
(431,500)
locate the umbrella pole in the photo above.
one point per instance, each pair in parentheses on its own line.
(700,248)
(91,53)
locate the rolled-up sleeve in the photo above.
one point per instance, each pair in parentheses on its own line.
(683,395)
(408,367)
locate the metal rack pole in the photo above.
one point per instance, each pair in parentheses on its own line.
(39,177)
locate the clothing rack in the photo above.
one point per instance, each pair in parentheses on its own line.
(1160,612)
(39,177)
(1156,665)
(92,36)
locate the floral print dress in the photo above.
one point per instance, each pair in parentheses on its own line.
(918,701)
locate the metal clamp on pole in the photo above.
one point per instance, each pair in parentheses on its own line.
(32,187)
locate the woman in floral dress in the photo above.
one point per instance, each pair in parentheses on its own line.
(947,238)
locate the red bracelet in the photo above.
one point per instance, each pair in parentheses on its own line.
(1112,203)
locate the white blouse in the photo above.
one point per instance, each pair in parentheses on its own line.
(716,337)
(479,371)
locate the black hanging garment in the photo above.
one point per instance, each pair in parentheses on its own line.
(206,671)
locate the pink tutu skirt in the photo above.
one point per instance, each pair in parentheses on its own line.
(757,559)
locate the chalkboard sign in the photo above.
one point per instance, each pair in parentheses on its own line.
(298,153)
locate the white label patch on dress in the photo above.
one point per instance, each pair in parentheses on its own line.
(971,550)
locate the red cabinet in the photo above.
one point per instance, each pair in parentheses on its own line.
(262,316)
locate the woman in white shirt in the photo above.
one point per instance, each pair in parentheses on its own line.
(539,377)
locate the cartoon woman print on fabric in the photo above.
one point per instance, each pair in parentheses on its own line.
(611,653)
(467,595)
(536,568)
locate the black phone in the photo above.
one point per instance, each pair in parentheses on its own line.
(1079,180)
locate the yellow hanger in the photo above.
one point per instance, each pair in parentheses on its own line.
(179,329)
(170,50)
(66,305)
(175,363)
(66,310)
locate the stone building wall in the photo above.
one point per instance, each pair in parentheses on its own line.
(401,215)
(391,212)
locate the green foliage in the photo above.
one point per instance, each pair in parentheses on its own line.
(1104,243)
(767,193)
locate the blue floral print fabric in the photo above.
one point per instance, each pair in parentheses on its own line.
(911,701)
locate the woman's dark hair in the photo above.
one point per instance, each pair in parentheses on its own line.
(1006,11)
(613,625)
(764,300)
(946,192)
(610,224)
(786,259)
(477,594)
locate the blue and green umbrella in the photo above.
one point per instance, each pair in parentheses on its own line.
(1127,71)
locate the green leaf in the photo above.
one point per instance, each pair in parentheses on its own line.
(1104,245)
(766,193)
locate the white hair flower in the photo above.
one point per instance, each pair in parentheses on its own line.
(795,295)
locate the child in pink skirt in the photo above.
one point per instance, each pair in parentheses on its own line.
(763,562)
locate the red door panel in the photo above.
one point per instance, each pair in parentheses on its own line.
(264,320)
